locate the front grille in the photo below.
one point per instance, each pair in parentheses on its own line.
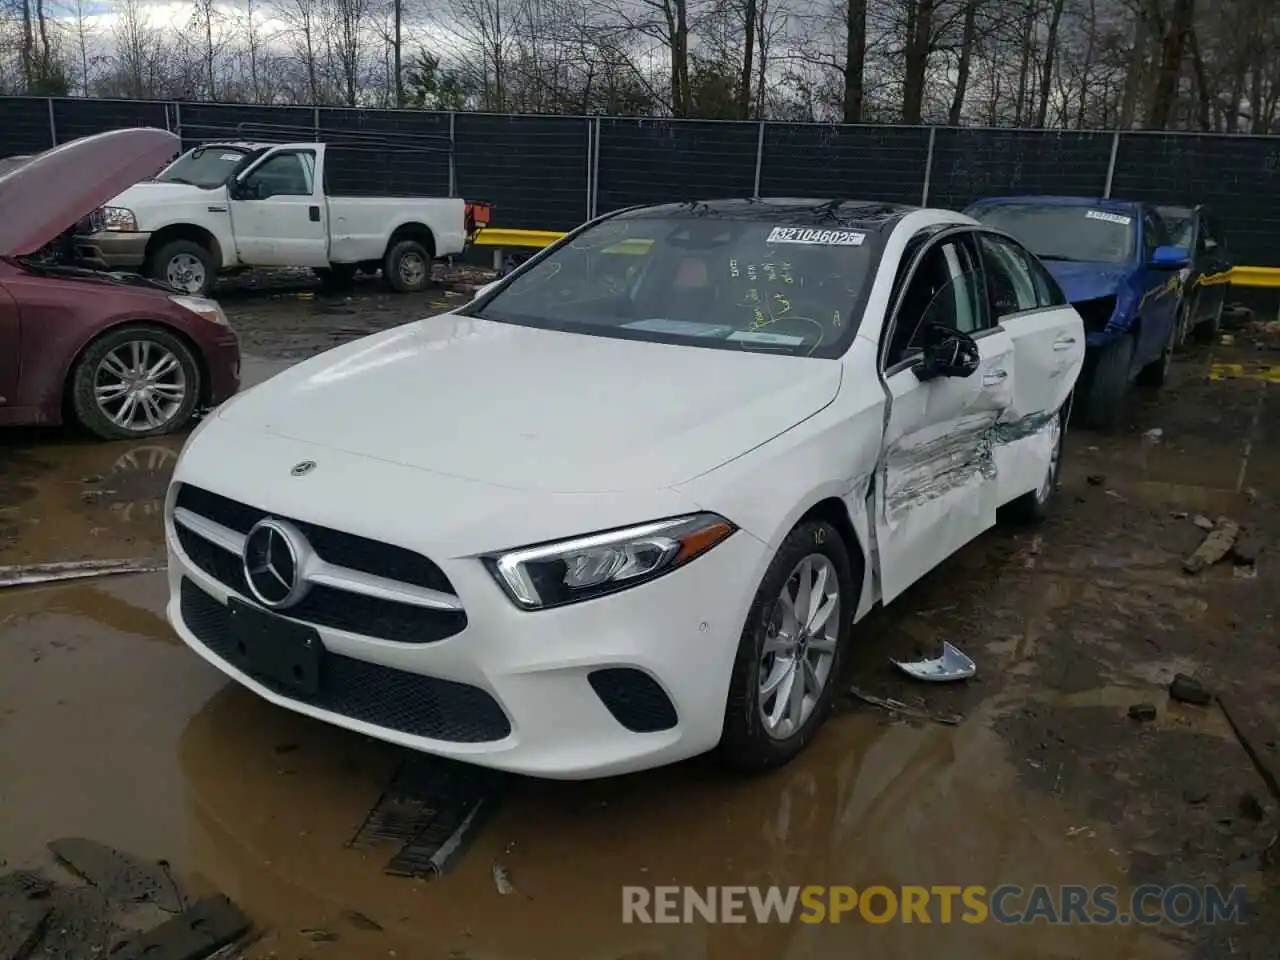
(634,698)
(344,549)
(383,696)
(326,606)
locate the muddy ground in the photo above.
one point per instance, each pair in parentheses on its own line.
(111,730)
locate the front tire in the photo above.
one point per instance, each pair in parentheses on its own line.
(1108,385)
(1156,373)
(1207,332)
(185,266)
(791,650)
(408,267)
(134,382)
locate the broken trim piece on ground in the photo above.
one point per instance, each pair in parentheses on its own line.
(30,574)
(954,664)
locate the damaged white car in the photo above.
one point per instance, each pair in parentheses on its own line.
(626,505)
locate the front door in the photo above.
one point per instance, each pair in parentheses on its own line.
(1160,296)
(935,486)
(278,213)
(1213,265)
(10,351)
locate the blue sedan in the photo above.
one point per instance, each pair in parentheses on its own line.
(1114,261)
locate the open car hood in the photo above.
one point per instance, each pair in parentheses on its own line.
(43,197)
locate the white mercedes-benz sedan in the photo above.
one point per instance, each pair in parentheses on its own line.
(626,505)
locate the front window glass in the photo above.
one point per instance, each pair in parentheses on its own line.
(206,167)
(727,283)
(1065,231)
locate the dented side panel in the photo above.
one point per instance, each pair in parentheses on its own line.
(936,478)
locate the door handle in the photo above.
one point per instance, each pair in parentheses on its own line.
(314,213)
(994,377)
(218,209)
(1064,343)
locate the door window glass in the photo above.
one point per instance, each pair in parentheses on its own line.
(283,175)
(945,290)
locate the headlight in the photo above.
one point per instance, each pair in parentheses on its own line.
(119,219)
(571,570)
(209,309)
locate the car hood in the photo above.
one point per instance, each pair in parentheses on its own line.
(1086,281)
(42,198)
(156,193)
(538,410)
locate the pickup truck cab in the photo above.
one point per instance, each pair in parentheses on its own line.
(223,207)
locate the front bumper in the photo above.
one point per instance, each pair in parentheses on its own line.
(113,250)
(609,686)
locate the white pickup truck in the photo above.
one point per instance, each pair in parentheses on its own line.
(224,207)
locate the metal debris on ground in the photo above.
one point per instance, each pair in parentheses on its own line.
(898,707)
(1143,712)
(195,934)
(30,574)
(502,880)
(954,664)
(433,808)
(1215,546)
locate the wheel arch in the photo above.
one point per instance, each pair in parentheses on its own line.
(835,511)
(412,230)
(184,231)
(68,372)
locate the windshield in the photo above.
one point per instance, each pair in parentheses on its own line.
(206,167)
(1180,222)
(701,281)
(1065,232)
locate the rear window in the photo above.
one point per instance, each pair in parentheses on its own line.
(701,281)
(1065,231)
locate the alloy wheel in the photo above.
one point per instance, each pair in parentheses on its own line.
(140,385)
(799,647)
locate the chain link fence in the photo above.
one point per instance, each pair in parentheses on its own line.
(552,172)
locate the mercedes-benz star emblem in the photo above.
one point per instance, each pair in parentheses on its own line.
(275,554)
(303,468)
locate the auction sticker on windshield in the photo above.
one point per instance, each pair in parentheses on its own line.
(833,238)
(1109,217)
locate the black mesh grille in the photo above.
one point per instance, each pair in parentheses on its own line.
(337,609)
(634,698)
(343,549)
(407,702)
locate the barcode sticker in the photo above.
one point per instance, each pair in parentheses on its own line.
(1109,217)
(825,238)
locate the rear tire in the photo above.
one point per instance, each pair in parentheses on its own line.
(1103,401)
(749,743)
(408,267)
(1207,332)
(185,266)
(1034,506)
(99,378)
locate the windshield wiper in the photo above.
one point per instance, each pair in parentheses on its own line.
(1059,257)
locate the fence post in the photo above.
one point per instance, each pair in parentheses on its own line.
(53,127)
(928,168)
(595,170)
(759,159)
(177,121)
(1111,164)
(453,169)
(591,129)
(315,120)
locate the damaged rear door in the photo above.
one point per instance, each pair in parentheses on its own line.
(935,487)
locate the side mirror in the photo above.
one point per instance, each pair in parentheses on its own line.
(1171,258)
(947,353)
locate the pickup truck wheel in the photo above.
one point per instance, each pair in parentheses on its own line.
(135,381)
(1108,385)
(784,676)
(407,267)
(186,266)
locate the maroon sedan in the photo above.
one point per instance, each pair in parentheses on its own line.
(124,356)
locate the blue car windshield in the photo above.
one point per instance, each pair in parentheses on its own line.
(732,284)
(1065,231)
